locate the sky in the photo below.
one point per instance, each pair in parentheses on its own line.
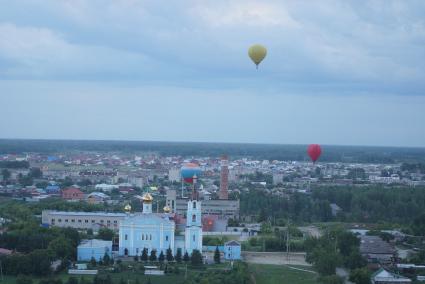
(336,72)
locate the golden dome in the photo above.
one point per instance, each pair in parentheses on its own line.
(167,209)
(127,208)
(147,197)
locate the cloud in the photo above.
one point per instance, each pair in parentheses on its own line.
(377,45)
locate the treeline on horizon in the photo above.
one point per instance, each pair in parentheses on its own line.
(356,154)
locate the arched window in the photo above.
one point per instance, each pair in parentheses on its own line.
(193,237)
(194,205)
(150,237)
(166,238)
(143,237)
(125,237)
(193,218)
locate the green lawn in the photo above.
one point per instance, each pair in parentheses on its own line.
(278,274)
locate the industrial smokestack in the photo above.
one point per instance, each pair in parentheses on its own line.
(224,178)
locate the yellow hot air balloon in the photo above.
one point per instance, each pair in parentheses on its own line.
(257,53)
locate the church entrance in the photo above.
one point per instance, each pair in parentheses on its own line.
(126,252)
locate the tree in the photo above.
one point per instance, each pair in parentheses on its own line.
(153,257)
(331,279)
(169,254)
(61,248)
(360,276)
(22,279)
(355,260)
(136,258)
(72,280)
(6,174)
(144,256)
(35,173)
(217,255)
(186,257)
(93,261)
(106,259)
(161,257)
(196,258)
(105,234)
(325,260)
(40,262)
(179,255)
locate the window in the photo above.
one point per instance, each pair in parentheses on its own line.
(73,220)
(59,220)
(125,237)
(79,220)
(101,221)
(193,218)
(92,221)
(193,237)
(109,221)
(194,205)
(150,237)
(166,238)
(115,221)
(86,221)
(143,237)
(53,220)
(66,220)
(137,251)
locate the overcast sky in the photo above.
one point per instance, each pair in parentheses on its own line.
(337,72)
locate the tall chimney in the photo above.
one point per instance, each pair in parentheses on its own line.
(224,178)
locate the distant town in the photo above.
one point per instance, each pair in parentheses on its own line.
(167,210)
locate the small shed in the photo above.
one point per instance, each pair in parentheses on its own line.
(232,250)
(93,248)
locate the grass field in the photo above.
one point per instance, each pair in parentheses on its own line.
(262,273)
(278,274)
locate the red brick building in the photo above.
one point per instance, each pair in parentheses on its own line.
(72,193)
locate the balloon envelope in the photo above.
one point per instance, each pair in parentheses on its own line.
(257,53)
(314,151)
(189,170)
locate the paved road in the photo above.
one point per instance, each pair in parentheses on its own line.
(275,258)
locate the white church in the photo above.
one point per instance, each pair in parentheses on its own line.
(156,231)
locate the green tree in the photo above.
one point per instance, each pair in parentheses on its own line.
(144,256)
(93,261)
(169,255)
(331,279)
(40,262)
(217,255)
(179,255)
(105,234)
(106,259)
(136,258)
(6,174)
(22,279)
(186,257)
(61,248)
(35,173)
(196,258)
(161,257)
(360,276)
(72,280)
(153,257)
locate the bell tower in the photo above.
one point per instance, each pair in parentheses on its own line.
(193,231)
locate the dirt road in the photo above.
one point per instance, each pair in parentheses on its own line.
(275,258)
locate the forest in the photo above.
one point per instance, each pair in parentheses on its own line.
(372,204)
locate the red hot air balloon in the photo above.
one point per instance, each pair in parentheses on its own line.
(314,152)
